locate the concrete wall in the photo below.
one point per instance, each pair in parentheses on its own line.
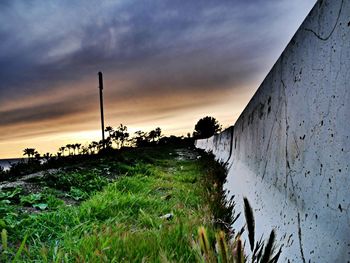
(220,145)
(291,145)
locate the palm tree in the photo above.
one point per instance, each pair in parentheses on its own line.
(110,130)
(152,135)
(123,134)
(26,151)
(62,149)
(69,147)
(116,137)
(140,138)
(108,142)
(90,148)
(77,146)
(101,144)
(30,152)
(158,132)
(94,145)
(74,147)
(84,150)
(66,149)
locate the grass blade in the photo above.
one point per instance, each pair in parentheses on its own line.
(269,248)
(250,222)
(240,258)
(19,251)
(203,240)
(4,239)
(222,246)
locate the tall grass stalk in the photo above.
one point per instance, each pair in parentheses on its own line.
(4,239)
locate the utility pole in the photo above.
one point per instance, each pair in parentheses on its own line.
(100,80)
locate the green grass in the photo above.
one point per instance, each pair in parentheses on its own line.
(121,217)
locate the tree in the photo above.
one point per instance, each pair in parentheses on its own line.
(73,148)
(123,134)
(158,133)
(94,145)
(85,150)
(120,135)
(154,135)
(77,146)
(107,143)
(30,152)
(62,149)
(110,130)
(140,138)
(206,127)
(68,147)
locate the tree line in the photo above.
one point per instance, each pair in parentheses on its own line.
(119,137)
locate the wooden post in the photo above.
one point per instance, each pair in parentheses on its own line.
(100,80)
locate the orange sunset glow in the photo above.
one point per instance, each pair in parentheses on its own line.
(164,65)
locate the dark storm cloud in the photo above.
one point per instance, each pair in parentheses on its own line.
(157,46)
(36,113)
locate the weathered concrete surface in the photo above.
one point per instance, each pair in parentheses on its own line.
(291,146)
(219,145)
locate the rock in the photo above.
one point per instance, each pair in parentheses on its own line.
(167,197)
(167,216)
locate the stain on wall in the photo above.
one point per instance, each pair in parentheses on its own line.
(289,151)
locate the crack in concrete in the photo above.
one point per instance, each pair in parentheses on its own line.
(297,146)
(332,31)
(289,171)
(269,141)
(273,125)
(231,146)
(287,127)
(300,240)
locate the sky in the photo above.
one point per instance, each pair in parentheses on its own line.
(166,63)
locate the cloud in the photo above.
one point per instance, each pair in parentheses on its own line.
(37,113)
(64,42)
(50,53)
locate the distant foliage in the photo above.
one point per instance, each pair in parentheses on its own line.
(142,139)
(30,152)
(206,127)
(73,152)
(119,136)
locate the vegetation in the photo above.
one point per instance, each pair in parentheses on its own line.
(117,138)
(206,127)
(30,152)
(158,203)
(139,204)
(73,153)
